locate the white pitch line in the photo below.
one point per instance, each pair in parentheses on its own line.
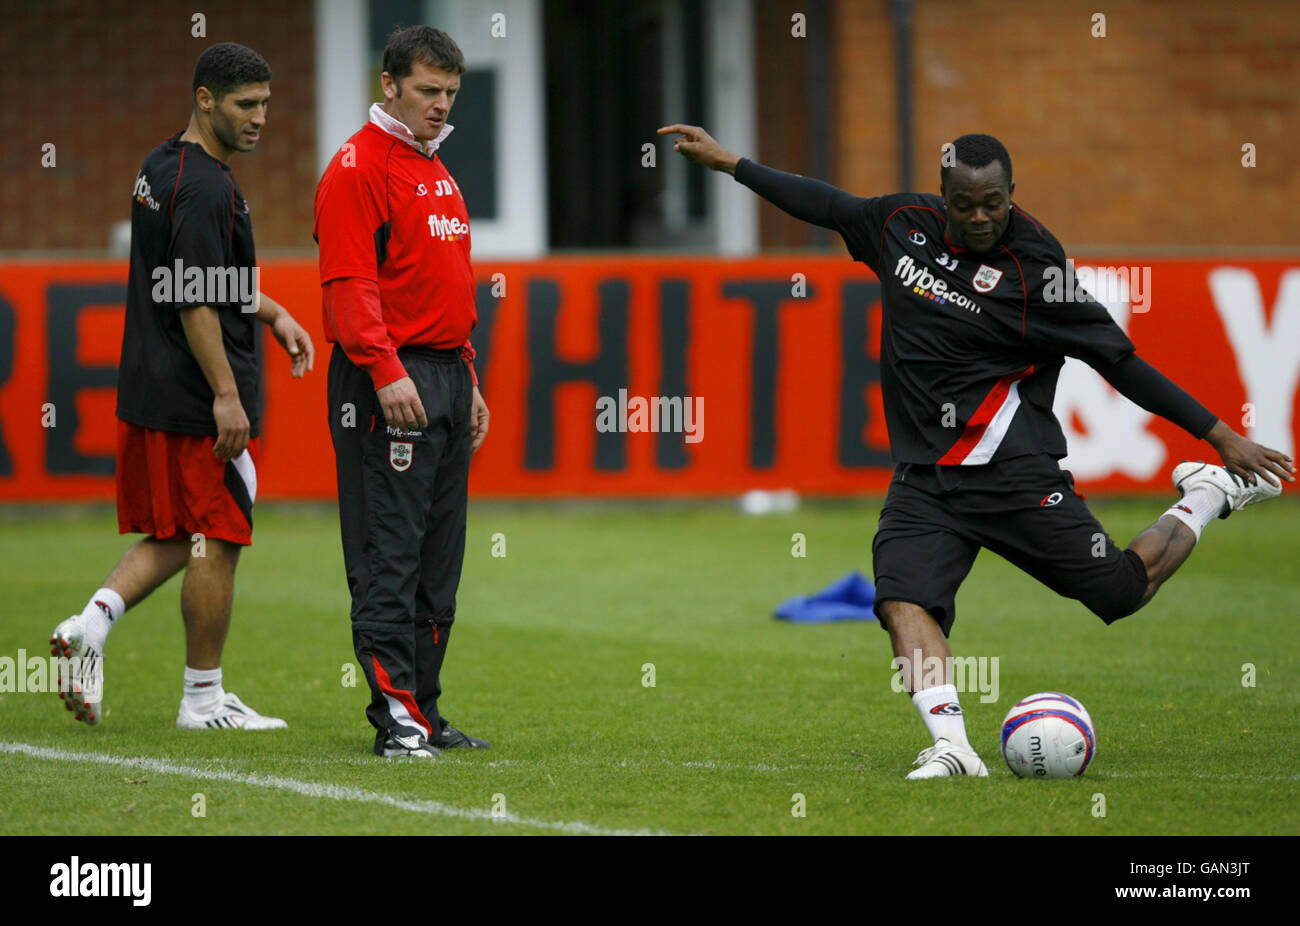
(313,789)
(1203,776)
(714,765)
(567,762)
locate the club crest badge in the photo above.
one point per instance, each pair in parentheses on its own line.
(986,278)
(400,454)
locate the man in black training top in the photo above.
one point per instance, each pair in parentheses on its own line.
(189,394)
(972,340)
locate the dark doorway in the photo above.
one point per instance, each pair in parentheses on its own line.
(605,97)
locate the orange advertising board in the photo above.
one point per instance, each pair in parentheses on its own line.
(766,370)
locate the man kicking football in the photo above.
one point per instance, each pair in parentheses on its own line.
(972,341)
(188,403)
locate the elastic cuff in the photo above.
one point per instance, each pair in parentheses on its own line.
(386,371)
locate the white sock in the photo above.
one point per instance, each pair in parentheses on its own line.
(1199,507)
(203,687)
(950,724)
(100,614)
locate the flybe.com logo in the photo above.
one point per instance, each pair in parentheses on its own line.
(924,283)
(143,193)
(448,229)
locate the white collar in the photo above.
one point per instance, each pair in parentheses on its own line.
(398,129)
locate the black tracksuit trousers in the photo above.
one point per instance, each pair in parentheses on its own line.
(402,500)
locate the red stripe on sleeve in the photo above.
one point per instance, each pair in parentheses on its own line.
(1024,293)
(180,169)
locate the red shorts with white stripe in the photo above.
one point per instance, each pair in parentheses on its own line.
(172,487)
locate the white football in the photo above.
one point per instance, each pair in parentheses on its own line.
(1048,735)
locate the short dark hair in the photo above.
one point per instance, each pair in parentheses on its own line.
(977,151)
(228,65)
(421,43)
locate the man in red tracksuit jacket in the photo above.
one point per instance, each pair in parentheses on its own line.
(405,409)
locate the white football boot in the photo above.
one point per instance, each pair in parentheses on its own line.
(414,747)
(83,691)
(228,713)
(943,760)
(1236,491)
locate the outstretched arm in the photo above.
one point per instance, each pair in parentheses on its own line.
(1143,384)
(807,200)
(698,145)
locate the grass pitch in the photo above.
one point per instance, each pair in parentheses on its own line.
(554,644)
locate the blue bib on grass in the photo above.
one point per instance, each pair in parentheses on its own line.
(846,599)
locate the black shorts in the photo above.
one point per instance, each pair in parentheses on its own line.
(1025,509)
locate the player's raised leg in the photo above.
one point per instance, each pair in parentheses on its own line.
(206,599)
(81,638)
(1209,492)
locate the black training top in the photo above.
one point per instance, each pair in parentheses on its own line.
(970,346)
(186,207)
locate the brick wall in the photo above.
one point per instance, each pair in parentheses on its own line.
(781,98)
(1132,140)
(105,82)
